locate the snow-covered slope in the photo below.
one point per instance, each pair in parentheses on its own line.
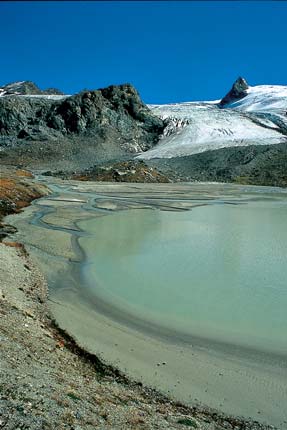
(258,118)
(264,98)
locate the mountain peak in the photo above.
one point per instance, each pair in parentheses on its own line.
(237,92)
(240,83)
(26,88)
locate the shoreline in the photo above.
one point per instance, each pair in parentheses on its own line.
(212,413)
(204,375)
(165,347)
(156,329)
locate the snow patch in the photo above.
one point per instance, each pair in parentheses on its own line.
(45,96)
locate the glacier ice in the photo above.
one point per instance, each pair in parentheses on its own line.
(257,119)
(264,98)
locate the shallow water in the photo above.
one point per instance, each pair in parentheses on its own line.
(218,272)
(160,284)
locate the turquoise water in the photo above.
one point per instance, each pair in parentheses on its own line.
(219,271)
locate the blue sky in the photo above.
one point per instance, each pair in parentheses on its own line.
(171,51)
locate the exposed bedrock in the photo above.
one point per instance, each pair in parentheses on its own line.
(237,92)
(112,117)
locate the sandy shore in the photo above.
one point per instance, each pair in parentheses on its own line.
(195,375)
(233,383)
(48,383)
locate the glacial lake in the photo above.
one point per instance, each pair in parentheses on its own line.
(183,287)
(217,272)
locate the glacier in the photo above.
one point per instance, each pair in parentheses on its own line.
(258,118)
(263,98)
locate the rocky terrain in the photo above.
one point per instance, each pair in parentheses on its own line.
(97,135)
(103,134)
(255,164)
(76,131)
(118,171)
(237,92)
(26,88)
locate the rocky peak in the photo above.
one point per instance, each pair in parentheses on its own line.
(26,88)
(127,98)
(237,92)
(114,117)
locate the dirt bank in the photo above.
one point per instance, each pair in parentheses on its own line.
(17,190)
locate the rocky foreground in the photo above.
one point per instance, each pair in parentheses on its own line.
(47,381)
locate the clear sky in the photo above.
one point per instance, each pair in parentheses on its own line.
(170,50)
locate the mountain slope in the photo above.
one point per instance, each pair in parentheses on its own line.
(244,135)
(22,88)
(261,98)
(77,130)
(254,164)
(203,127)
(245,116)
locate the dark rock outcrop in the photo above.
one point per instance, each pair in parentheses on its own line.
(109,122)
(237,92)
(117,110)
(22,117)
